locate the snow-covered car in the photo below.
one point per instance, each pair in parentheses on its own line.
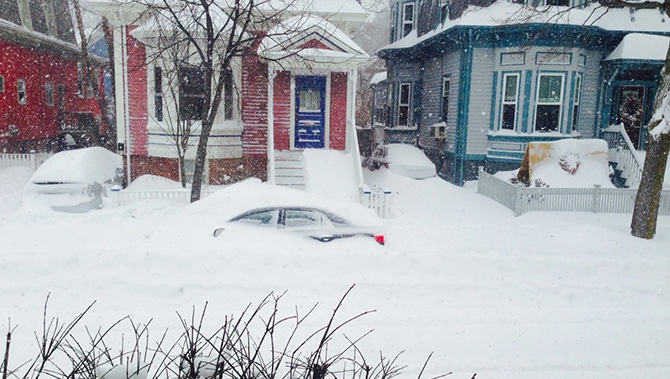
(74,180)
(315,223)
(253,209)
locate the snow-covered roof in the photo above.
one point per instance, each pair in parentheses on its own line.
(639,46)
(503,13)
(290,39)
(379,77)
(347,14)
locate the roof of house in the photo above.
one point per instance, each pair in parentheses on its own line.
(502,13)
(639,46)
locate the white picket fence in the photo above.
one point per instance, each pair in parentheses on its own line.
(522,199)
(31,160)
(377,200)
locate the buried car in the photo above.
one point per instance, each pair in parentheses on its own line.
(251,207)
(74,180)
(315,223)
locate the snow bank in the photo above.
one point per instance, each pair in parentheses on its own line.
(409,161)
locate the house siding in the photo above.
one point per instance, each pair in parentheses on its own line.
(282,110)
(338,110)
(36,125)
(434,71)
(588,118)
(254,106)
(479,112)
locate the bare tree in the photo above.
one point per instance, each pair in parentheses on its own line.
(648,197)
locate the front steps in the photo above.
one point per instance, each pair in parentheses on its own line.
(289,169)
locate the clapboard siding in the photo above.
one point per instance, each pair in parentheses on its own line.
(481,88)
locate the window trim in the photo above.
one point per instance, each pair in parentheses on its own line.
(578,86)
(504,102)
(406,105)
(22,88)
(559,103)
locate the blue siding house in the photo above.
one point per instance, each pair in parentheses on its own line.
(472,82)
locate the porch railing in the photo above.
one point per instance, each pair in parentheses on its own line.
(377,200)
(521,199)
(623,153)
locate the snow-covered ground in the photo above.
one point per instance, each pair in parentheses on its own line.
(544,295)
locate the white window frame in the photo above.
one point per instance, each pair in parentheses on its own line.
(577,99)
(22,91)
(404,105)
(558,103)
(504,102)
(405,21)
(49,93)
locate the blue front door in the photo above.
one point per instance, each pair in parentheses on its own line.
(310,112)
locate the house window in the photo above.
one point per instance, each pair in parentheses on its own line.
(158,94)
(380,115)
(403,104)
(191,92)
(407,18)
(228,95)
(21,91)
(80,79)
(510,98)
(49,91)
(446,85)
(548,105)
(2,84)
(576,100)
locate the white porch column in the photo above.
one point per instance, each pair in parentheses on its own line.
(272,72)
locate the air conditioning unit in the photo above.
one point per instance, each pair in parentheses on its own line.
(439,131)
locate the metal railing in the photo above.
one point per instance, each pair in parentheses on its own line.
(624,154)
(522,199)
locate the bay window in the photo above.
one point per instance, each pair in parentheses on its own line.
(403,104)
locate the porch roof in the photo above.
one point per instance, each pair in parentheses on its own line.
(309,40)
(641,47)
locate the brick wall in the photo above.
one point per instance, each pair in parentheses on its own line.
(137,95)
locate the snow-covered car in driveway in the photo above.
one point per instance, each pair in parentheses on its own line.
(74,180)
(319,224)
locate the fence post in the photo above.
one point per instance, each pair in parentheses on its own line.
(517,200)
(597,195)
(115,191)
(387,206)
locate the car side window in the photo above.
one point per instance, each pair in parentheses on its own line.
(296,218)
(264,217)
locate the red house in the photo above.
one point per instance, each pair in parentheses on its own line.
(290,92)
(45,104)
